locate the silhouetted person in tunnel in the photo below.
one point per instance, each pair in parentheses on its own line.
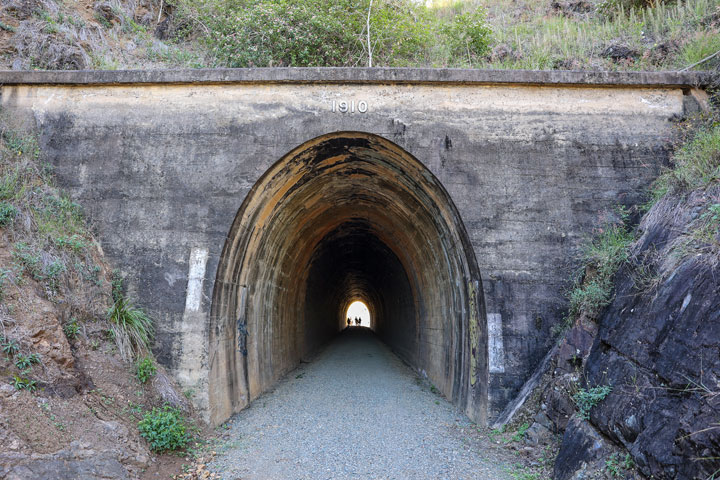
(357,320)
(348,320)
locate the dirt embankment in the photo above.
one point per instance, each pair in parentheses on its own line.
(69,402)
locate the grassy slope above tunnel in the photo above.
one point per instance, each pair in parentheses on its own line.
(344,217)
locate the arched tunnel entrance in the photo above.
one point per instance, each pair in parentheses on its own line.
(347,216)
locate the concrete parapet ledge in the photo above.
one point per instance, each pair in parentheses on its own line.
(345,75)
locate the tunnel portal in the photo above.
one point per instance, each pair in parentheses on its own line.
(344,217)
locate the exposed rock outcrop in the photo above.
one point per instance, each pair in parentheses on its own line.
(658,346)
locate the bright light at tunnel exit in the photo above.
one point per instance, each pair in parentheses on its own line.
(358,309)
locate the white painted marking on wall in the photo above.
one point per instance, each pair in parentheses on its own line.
(496,351)
(196,275)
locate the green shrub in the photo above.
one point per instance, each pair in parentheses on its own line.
(586,399)
(131,328)
(22,383)
(7,214)
(23,361)
(145,369)
(468,35)
(72,242)
(164,429)
(310,33)
(71,329)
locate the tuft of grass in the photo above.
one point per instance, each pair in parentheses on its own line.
(7,214)
(602,256)
(696,164)
(132,328)
(586,399)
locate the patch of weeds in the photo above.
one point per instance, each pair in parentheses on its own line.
(7,28)
(7,214)
(71,329)
(520,434)
(518,472)
(696,163)
(23,383)
(300,375)
(28,259)
(74,243)
(59,217)
(164,429)
(11,185)
(3,276)
(189,393)
(145,369)
(617,467)
(24,362)
(20,143)
(586,399)
(132,328)
(602,256)
(10,347)
(709,225)
(433,389)
(116,284)
(131,26)
(103,21)
(495,433)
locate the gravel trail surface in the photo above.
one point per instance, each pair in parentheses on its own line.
(355,412)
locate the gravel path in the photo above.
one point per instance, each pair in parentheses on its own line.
(355,412)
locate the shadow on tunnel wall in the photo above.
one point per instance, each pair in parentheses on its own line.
(347,216)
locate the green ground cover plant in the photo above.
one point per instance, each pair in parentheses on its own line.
(164,429)
(145,369)
(587,398)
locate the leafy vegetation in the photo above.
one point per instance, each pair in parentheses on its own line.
(617,466)
(22,383)
(7,214)
(164,429)
(601,257)
(145,369)
(71,329)
(10,347)
(317,33)
(586,399)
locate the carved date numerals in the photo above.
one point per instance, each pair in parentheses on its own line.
(351,106)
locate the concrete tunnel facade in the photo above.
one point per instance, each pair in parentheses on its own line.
(347,216)
(246,208)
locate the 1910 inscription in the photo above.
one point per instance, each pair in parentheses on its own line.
(351,106)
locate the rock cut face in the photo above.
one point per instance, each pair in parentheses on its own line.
(345,217)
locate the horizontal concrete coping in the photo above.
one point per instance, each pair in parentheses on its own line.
(343,75)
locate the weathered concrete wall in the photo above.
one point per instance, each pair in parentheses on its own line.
(530,162)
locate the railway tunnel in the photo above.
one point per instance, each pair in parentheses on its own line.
(346,217)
